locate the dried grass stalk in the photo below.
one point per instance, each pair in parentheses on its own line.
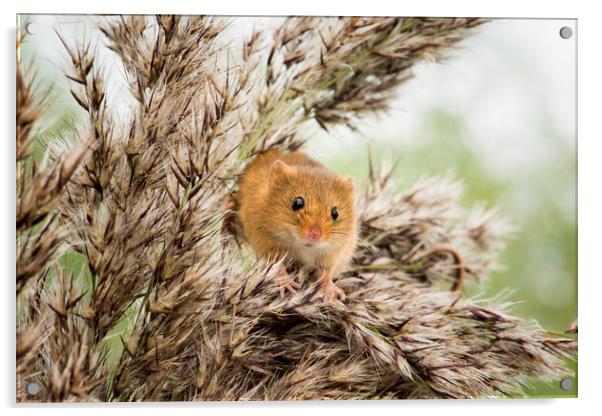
(194,316)
(40,185)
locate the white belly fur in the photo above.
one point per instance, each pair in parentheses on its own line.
(310,256)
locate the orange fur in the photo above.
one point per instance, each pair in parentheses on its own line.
(267,189)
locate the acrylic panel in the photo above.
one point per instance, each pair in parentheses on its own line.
(295,208)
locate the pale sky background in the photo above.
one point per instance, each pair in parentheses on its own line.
(499,105)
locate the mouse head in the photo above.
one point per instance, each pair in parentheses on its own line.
(311,207)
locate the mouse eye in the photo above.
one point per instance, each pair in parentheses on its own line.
(298,203)
(334,213)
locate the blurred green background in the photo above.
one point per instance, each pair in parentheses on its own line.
(499,116)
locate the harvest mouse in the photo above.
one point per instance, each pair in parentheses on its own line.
(290,205)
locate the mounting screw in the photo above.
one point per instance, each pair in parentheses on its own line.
(32,389)
(31,28)
(566,384)
(566,32)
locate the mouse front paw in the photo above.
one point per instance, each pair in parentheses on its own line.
(330,291)
(286,282)
(230,216)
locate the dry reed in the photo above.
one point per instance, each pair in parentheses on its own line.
(139,200)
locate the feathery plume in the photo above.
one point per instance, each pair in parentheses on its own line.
(167,305)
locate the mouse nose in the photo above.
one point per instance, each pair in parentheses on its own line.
(314,233)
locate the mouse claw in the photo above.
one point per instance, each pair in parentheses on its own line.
(285,282)
(331,292)
(230,205)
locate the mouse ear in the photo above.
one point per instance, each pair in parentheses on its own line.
(280,169)
(349,184)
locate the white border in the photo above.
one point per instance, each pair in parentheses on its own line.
(589,191)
